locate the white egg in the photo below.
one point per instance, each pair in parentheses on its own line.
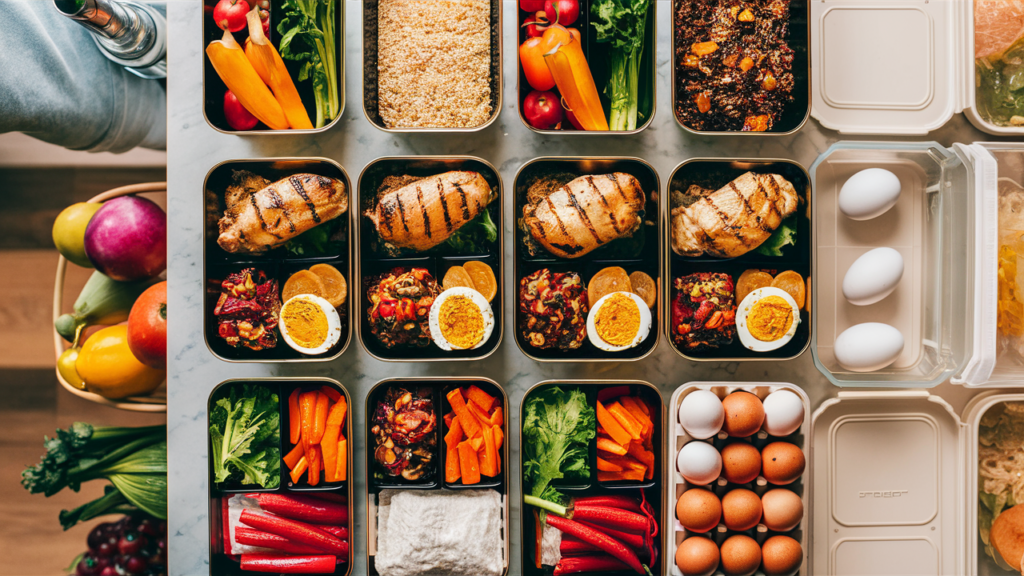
(699,463)
(783,413)
(641,334)
(868,347)
(869,194)
(873,276)
(701,414)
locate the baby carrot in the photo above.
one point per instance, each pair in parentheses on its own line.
(329,448)
(470,425)
(341,467)
(452,470)
(307,407)
(299,469)
(313,455)
(611,426)
(454,435)
(331,392)
(294,420)
(292,458)
(469,464)
(336,417)
(319,418)
(482,399)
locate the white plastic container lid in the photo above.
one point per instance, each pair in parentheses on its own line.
(892,66)
(887,485)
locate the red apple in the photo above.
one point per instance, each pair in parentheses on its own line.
(568,11)
(237,116)
(536,24)
(230,14)
(542,110)
(531,5)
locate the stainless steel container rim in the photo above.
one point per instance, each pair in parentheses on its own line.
(357,247)
(348,298)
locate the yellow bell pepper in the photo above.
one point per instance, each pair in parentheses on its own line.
(572,75)
(234,69)
(109,368)
(268,64)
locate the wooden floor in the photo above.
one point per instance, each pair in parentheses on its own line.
(32,405)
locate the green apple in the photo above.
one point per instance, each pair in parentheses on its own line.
(69,231)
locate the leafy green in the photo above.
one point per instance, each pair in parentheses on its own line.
(475,236)
(622,24)
(308,36)
(784,235)
(134,460)
(557,427)
(314,242)
(245,429)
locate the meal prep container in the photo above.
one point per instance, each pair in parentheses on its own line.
(370,87)
(676,485)
(647,258)
(440,386)
(946,225)
(371,264)
(278,265)
(655,490)
(894,485)
(796,112)
(901,67)
(714,174)
(214,88)
(596,52)
(223,564)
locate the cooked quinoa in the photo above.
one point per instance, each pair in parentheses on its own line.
(433,62)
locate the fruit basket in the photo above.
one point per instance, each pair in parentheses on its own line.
(155,402)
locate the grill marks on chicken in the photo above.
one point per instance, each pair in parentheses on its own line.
(735,219)
(585,214)
(426,212)
(262,215)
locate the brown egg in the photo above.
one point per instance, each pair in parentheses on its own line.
(741,555)
(699,510)
(783,509)
(697,556)
(782,462)
(782,556)
(741,509)
(744,414)
(741,462)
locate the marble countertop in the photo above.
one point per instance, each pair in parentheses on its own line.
(194,147)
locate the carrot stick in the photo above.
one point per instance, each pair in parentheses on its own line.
(452,471)
(299,470)
(470,426)
(625,475)
(499,437)
(606,466)
(307,408)
(482,399)
(329,448)
(313,455)
(336,417)
(645,456)
(331,392)
(611,426)
(481,416)
(292,458)
(626,420)
(630,403)
(497,417)
(488,456)
(469,464)
(454,435)
(294,420)
(319,418)
(448,418)
(341,470)
(609,445)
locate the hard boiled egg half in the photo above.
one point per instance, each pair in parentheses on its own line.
(461,319)
(765,338)
(619,321)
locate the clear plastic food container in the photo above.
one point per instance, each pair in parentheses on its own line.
(946,226)
(897,67)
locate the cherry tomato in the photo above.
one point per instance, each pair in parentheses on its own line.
(230,14)
(535,24)
(531,54)
(564,12)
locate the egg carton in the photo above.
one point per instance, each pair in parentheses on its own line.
(677,485)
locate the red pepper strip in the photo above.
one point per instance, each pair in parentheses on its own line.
(287,564)
(649,511)
(305,508)
(615,518)
(573,546)
(251,537)
(340,531)
(605,542)
(598,563)
(295,531)
(622,502)
(634,541)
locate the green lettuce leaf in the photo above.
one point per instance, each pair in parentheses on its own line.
(557,427)
(245,429)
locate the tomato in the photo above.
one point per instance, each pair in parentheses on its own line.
(237,116)
(531,5)
(230,14)
(542,110)
(531,54)
(564,12)
(536,24)
(147,327)
(109,368)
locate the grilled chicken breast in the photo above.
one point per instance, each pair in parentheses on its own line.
(427,212)
(585,214)
(735,219)
(256,221)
